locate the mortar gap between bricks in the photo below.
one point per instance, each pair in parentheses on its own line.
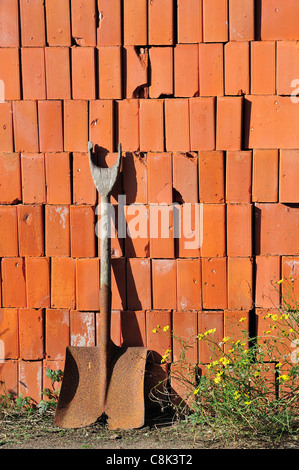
(20,72)
(45,23)
(257,19)
(175,23)
(97,74)
(71,166)
(37,123)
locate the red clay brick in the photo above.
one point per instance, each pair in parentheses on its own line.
(118,284)
(83,15)
(273,122)
(6,128)
(229,131)
(31,334)
(185,176)
(58,22)
(10,178)
(84,191)
(214,283)
(241,20)
(133,329)
(237,81)
(109,32)
(188,284)
(189,17)
(211,66)
(188,230)
(33,178)
(267,273)
(32,23)
(9,333)
(160,22)
(214,243)
(75,125)
(186,79)
(287,66)
(82,327)
(9,378)
(263,67)
(159,167)
(164,280)
(211,177)
(128,124)
(82,222)
(137,238)
(31,230)
(278,20)
(30,374)
(239,273)
(161,71)
(63,283)
(57,231)
(161,231)
(10,73)
(236,327)
(177,127)
(110,70)
(25,126)
(50,126)
(238,177)
(13,282)
(239,229)
(138,273)
(58,84)
(215,20)
(88,283)
(158,342)
(101,123)
(136,72)
(57,333)
(83,73)
(185,326)
(58,178)
(135,178)
(9,24)
(290,286)
(135,22)
(202,123)
(33,73)
(37,272)
(207,321)
(277,228)
(9,231)
(265,176)
(151,123)
(288,176)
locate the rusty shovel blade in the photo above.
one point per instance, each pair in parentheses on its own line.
(105,378)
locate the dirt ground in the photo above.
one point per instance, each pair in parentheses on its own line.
(35,431)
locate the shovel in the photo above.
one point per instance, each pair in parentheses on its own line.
(104,379)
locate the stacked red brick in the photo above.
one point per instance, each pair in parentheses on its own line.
(198,93)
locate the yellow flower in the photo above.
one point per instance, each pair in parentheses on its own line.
(237,395)
(247,402)
(284,378)
(243,319)
(225,339)
(196,391)
(166,328)
(256,374)
(217,380)
(165,355)
(155,330)
(279,364)
(280,281)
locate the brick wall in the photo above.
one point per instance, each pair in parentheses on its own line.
(199,94)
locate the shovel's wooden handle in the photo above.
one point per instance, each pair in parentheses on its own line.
(105,275)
